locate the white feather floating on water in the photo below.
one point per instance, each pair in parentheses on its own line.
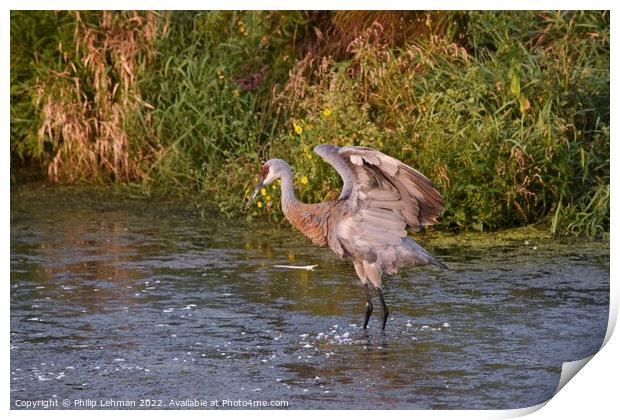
(298,267)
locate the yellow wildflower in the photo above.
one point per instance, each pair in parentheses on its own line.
(259,204)
(327,112)
(304,180)
(236,93)
(298,128)
(268,198)
(274,186)
(263,191)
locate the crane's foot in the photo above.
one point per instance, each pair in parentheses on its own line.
(386,313)
(368,305)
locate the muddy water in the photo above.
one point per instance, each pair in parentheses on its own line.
(123,299)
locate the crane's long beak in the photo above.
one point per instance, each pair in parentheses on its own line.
(255,193)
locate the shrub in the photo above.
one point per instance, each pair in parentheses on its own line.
(511,126)
(506,112)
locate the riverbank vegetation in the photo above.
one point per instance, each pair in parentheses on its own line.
(506,112)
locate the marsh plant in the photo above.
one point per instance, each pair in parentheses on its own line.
(506,112)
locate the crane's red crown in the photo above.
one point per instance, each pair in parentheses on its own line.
(264,170)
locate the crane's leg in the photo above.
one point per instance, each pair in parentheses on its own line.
(368,305)
(385,308)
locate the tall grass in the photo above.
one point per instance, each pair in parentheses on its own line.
(507,112)
(212,84)
(85,99)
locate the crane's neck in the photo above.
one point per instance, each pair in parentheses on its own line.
(289,201)
(309,219)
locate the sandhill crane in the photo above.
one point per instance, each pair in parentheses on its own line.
(381,197)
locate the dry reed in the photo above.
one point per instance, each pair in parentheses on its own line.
(88,106)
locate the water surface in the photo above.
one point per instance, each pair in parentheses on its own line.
(114,298)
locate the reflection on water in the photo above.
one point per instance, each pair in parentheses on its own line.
(119,298)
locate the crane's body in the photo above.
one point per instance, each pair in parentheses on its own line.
(381,198)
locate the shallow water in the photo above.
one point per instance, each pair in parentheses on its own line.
(121,299)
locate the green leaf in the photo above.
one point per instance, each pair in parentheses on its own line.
(515,85)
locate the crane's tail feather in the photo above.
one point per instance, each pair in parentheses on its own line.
(438,263)
(412,253)
(430,259)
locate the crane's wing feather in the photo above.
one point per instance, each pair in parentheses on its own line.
(379,187)
(380,198)
(330,154)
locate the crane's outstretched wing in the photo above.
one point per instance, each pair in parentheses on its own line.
(383,190)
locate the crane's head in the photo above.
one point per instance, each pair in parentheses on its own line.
(271,170)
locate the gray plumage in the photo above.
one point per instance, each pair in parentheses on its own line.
(381,199)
